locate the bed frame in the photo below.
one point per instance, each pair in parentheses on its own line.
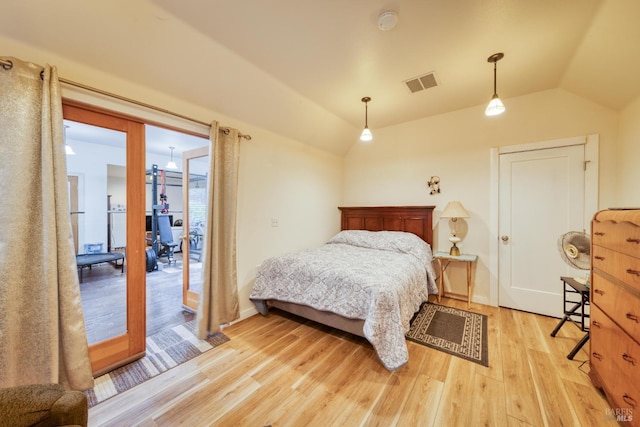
(413,219)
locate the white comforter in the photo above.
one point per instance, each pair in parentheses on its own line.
(381,277)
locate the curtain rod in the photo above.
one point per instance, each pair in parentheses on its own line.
(7,65)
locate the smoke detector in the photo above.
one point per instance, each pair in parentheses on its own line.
(387,20)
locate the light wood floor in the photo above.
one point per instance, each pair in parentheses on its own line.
(280,371)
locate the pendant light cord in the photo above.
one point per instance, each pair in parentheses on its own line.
(366,114)
(495,84)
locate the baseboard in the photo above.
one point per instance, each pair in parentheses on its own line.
(247,312)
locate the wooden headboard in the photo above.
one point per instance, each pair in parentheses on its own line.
(413,219)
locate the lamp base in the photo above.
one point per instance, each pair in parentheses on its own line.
(454,251)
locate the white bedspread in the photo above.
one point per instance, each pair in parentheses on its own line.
(381,277)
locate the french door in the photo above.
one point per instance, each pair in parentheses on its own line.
(195,165)
(119,314)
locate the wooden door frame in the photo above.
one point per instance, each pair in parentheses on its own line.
(189,298)
(591,143)
(117,351)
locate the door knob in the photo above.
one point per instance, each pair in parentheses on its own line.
(505,238)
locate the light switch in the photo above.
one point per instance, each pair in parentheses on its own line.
(274,222)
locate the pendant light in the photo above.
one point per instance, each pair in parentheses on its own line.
(495,106)
(67,148)
(171,164)
(366,135)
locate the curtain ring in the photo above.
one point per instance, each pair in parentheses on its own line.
(7,65)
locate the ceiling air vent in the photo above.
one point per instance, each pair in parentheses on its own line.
(417,84)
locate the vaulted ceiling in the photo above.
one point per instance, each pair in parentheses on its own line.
(300,67)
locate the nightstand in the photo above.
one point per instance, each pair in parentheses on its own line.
(445,259)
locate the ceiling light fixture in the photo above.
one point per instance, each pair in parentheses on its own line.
(366,135)
(67,148)
(171,164)
(495,106)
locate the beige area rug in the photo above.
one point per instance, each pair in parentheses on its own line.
(165,350)
(451,330)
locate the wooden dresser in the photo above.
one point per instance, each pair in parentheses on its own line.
(615,310)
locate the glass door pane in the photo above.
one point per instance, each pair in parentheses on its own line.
(177,266)
(99,167)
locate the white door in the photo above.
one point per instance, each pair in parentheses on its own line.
(541,196)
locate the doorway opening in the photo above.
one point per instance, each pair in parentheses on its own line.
(99,172)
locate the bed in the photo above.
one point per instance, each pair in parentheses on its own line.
(88,260)
(367,280)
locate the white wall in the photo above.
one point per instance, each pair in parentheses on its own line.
(394,168)
(90,165)
(293,184)
(629,156)
(117,189)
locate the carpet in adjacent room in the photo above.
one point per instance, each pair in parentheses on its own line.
(165,350)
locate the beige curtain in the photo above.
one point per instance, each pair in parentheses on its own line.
(218,302)
(42,333)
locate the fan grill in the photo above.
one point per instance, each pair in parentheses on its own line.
(575,249)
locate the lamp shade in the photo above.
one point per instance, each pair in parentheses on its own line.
(366,135)
(171,165)
(454,209)
(495,107)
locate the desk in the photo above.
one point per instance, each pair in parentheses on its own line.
(573,288)
(445,259)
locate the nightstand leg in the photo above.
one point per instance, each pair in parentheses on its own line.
(468,285)
(440,280)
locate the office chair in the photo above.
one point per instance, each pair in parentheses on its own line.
(166,238)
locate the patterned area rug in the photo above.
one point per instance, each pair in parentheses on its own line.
(454,331)
(165,350)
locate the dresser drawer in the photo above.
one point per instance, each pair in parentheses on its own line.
(622,237)
(616,358)
(621,306)
(623,267)
(600,341)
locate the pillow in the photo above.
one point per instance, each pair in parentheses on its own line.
(395,241)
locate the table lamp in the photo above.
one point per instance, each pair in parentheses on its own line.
(454,210)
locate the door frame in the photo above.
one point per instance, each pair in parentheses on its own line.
(591,188)
(190,299)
